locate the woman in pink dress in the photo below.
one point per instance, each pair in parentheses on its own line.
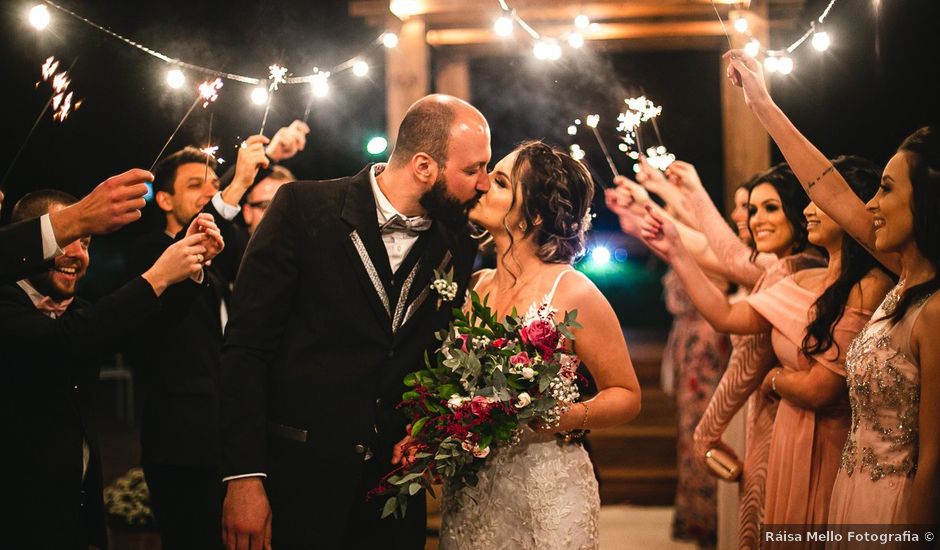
(890,471)
(812,316)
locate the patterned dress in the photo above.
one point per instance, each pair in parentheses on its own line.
(699,356)
(539,494)
(880,455)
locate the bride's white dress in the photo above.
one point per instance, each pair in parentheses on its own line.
(538,494)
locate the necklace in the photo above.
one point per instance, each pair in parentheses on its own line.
(892,298)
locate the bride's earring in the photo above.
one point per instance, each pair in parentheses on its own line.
(522,226)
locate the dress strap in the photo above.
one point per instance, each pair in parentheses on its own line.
(551,293)
(903,327)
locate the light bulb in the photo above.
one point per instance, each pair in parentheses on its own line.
(821,41)
(175,78)
(771,63)
(389,40)
(360,68)
(575,40)
(39,17)
(503,26)
(752,48)
(259,96)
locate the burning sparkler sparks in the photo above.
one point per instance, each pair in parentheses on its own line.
(659,158)
(639,110)
(277,76)
(209,92)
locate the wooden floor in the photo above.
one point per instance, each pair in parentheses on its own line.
(637,462)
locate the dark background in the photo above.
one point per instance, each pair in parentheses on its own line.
(876,83)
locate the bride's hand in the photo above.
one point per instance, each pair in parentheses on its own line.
(572,419)
(404,452)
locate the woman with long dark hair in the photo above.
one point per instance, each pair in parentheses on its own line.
(836,301)
(890,471)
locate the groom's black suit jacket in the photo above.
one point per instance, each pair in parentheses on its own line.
(319,339)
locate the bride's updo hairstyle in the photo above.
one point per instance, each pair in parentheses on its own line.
(556,195)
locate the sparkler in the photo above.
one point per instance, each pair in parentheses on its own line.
(208,93)
(659,158)
(277,75)
(639,110)
(591,121)
(60,102)
(723,28)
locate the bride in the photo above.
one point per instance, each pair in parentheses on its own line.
(542,493)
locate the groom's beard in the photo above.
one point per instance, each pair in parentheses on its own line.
(445,208)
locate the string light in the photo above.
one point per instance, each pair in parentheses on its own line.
(752,48)
(175,79)
(576,40)
(259,96)
(771,63)
(503,26)
(39,17)
(582,21)
(320,85)
(389,40)
(360,68)
(544,49)
(821,41)
(779,61)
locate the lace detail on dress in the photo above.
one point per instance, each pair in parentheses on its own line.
(884,391)
(538,494)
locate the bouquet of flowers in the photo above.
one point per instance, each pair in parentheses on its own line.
(490,379)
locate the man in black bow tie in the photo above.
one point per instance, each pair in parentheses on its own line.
(330,311)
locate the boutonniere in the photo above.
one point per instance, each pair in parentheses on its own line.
(444,285)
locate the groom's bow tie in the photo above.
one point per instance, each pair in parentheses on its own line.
(408,225)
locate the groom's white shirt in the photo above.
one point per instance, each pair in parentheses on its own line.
(397,244)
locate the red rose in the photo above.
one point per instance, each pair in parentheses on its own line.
(498,343)
(521,358)
(480,406)
(541,334)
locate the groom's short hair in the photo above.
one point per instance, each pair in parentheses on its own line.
(425,129)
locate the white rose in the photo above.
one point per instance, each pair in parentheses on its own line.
(480,453)
(528,373)
(454,402)
(523,400)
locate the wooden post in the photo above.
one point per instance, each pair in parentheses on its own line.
(452,77)
(407,76)
(746,143)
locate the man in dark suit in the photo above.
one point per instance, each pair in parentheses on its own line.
(53,345)
(331,309)
(26,246)
(179,427)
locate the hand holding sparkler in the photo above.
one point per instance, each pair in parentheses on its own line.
(111,205)
(683,175)
(214,244)
(288,141)
(745,72)
(251,158)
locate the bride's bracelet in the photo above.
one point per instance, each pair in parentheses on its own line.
(576,435)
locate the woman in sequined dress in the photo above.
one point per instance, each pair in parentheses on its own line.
(890,469)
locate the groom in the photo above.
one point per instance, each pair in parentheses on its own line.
(331,308)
